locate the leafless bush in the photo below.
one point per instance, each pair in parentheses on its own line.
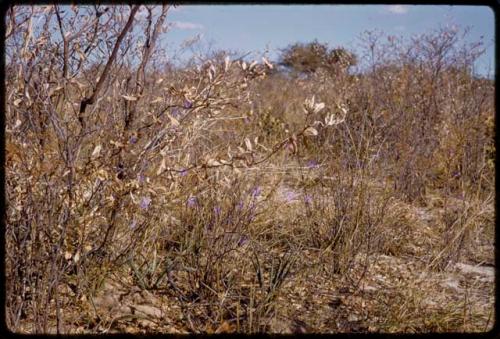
(119,165)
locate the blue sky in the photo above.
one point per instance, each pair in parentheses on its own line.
(252,28)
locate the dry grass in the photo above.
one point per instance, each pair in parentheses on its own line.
(209,199)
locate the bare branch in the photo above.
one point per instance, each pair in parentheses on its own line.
(65,44)
(148,49)
(105,73)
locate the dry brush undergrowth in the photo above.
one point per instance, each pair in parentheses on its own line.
(229,196)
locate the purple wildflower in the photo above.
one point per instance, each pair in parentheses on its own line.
(145,201)
(308,199)
(243,240)
(217,210)
(192,201)
(290,196)
(240,206)
(140,178)
(176,112)
(133,139)
(188,104)
(183,173)
(312,164)
(256,192)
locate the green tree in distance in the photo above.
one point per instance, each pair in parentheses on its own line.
(307,58)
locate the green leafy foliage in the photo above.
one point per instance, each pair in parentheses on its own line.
(310,57)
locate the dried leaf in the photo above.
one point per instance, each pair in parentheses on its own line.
(96,152)
(83,57)
(267,63)
(102,174)
(310,131)
(129,98)
(162,167)
(227,63)
(334,119)
(213,162)
(343,108)
(211,72)
(248,143)
(318,107)
(116,143)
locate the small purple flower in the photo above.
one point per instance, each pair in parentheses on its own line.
(243,240)
(256,192)
(240,206)
(217,210)
(183,173)
(312,164)
(176,112)
(133,139)
(140,178)
(188,104)
(192,202)
(145,201)
(308,199)
(290,196)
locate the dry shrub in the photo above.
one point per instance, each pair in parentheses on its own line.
(121,166)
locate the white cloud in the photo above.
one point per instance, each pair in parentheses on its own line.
(397,9)
(186,25)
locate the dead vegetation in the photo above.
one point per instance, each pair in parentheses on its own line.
(233,196)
